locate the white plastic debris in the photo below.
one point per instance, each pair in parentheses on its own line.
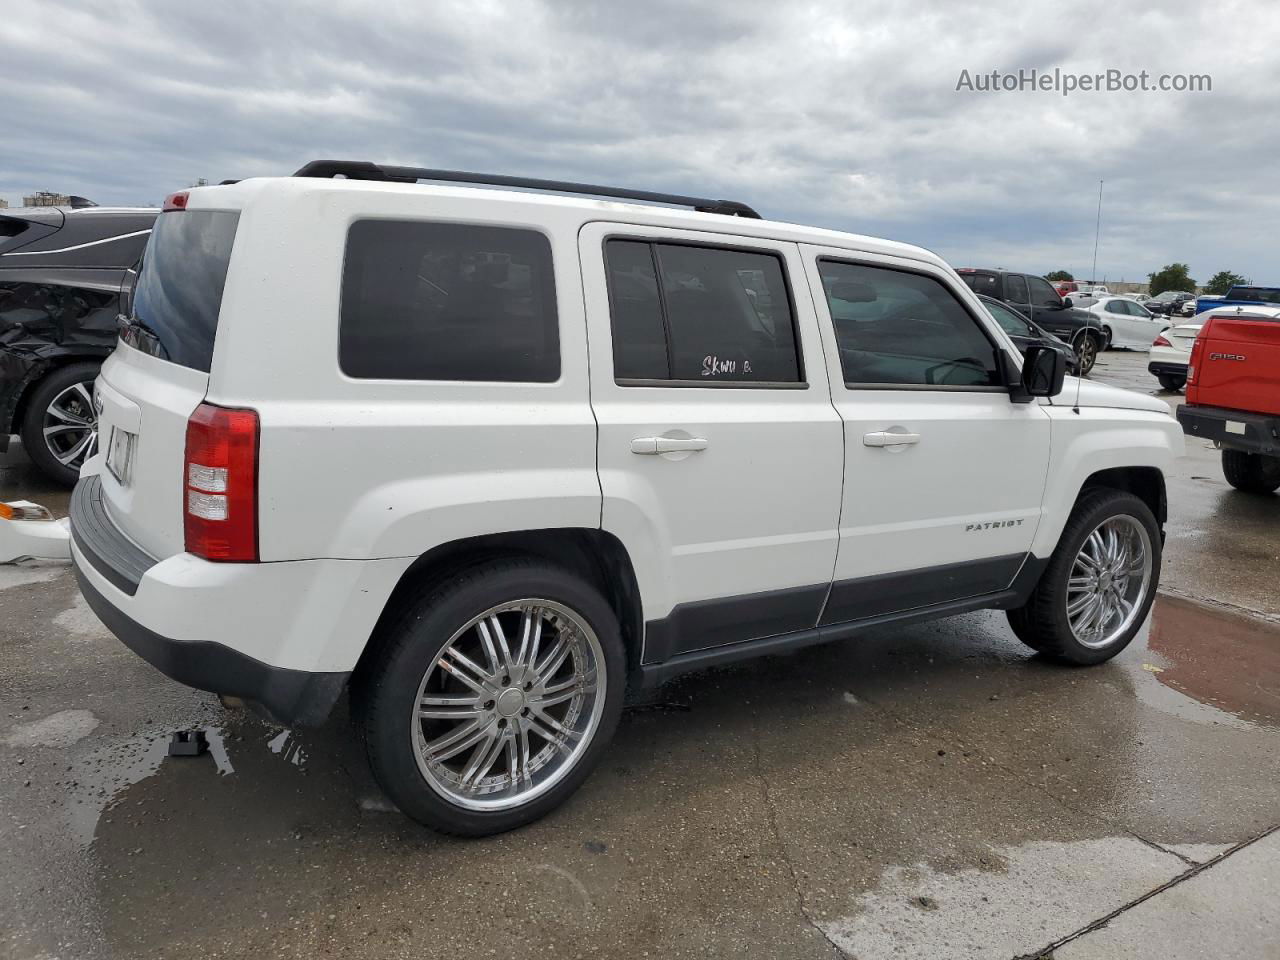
(28,531)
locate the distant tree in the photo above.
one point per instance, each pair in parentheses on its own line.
(1058,275)
(1175,276)
(1223,281)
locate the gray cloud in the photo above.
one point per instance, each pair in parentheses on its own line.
(843,115)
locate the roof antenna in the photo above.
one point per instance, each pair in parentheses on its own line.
(1088,317)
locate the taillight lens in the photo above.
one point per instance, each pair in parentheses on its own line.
(1160,341)
(220,484)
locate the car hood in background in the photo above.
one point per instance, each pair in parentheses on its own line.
(1103,395)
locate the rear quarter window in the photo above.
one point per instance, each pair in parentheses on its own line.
(448,301)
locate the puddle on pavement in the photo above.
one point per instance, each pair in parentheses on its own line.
(100,783)
(1223,668)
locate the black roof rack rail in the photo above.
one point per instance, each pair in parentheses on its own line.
(363,170)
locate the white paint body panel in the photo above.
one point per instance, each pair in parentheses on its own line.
(757,510)
(980,459)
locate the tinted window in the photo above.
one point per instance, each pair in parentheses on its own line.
(1043,295)
(1116,306)
(717,315)
(1016,288)
(896,327)
(178,294)
(987,284)
(447,301)
(1263,294)
(1012,323)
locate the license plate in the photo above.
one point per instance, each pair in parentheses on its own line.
(1234,426)
(120,454)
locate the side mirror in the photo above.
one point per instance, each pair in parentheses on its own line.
(1067,302)
(1043,371)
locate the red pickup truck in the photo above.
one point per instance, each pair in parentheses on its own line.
(1233,394)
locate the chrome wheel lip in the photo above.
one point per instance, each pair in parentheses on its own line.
(1109,580)
(61,421)
(549,765)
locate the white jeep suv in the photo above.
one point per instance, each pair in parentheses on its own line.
(491,457)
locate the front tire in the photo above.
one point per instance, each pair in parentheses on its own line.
(1099,583)
(492,697)
(1171,382)
(60,426)
(1251,472)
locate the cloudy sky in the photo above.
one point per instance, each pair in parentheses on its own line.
(839,114)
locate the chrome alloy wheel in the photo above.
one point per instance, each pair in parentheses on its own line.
(1109,581)
(509,705)
(71,425)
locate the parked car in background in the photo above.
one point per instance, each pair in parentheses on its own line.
(1168,302)
(1188,307)
(1141,297)
(1035,298)
(61,273)
(1171,352)
(1026,334)
(1125,323)
(1066,288)
(1233,394)
(591,462)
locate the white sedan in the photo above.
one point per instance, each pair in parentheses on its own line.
(1171,349)
(1125,322)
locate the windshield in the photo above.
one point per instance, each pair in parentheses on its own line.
(179,289)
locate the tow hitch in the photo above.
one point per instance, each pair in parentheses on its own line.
(28,530)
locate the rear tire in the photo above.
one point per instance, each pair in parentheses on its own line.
(443,656)
(1087,346)
(63,402)
(1251,472)
(1046,624)
(1172,382)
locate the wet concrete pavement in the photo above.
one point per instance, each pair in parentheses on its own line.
(923,791)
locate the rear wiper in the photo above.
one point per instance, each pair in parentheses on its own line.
(137,334)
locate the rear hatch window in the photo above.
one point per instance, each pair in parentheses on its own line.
(173,312)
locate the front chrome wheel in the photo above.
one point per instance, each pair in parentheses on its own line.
(71,425)
(509,705)
(1109,581)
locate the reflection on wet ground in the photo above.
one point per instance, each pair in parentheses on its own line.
(932,789)
(1226,661)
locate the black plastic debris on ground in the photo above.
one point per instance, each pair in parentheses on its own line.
(188,743)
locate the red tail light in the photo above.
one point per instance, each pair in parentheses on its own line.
(175,201)
(1195,357)
(1160,341)
(220,484)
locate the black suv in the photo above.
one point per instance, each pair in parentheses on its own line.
(1035,298)
(61,273)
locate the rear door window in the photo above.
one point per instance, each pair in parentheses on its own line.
(448,301)
(987,284)
(178,294)
(699,314)
(1016,288)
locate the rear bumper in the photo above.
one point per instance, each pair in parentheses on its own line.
(291,697)
(284,635)
(1235,429)
(1167,368)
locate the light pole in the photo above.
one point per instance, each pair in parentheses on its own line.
(1097,232)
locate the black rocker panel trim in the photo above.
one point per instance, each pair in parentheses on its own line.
(893,592)
(708,625)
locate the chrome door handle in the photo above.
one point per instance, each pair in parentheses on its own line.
(887,438)
(652,446)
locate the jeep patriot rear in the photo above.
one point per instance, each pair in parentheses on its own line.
(490,457)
